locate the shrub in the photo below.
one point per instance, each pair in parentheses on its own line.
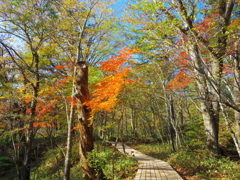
(205,165)
(114,164)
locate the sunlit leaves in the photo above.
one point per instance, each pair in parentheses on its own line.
(45,107)
(105,94)
(42,124)
(65,67)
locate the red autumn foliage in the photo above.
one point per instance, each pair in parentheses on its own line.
(65,65)
(28,111)
(180,81)
(227,69)
(182,60)
(208,23)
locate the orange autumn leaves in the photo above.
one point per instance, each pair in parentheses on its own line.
(105,94)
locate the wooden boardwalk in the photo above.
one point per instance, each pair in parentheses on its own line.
(150,168)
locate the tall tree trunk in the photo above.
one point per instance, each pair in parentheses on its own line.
(170,128)
(170,133)
(133,124)
(210,110)
(30,133)
(70,119)
(84,115)
(174,122)
(224,8)
(236,89)
(210,121)
(168,111)
(216,90)
(29,139)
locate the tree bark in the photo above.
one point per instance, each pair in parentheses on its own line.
(210,121)
(30,133)
(29,139)
(174,122)
(224,8)
(236,89)
(170,127)
(84,115)
(69,144)
(133,124)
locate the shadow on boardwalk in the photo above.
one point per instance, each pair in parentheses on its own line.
(150,168)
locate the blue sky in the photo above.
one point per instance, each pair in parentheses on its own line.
(120,5)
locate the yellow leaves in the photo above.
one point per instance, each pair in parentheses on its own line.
(48,49)
(70,3)
(76,9)
(23,89)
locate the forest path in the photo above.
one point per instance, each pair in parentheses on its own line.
(150,168)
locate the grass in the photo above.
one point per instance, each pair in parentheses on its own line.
(114,164)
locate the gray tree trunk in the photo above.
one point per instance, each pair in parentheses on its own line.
(236,89)
(210,121)
(70,119)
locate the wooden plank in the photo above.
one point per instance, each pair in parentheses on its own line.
(150,168)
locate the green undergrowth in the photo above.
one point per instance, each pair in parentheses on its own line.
(205,165)
(198,163)
(114,164)
(154,149)
(47,159)
(192,159)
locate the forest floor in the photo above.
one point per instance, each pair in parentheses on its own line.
(192,162)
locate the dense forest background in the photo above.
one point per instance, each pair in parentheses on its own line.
(76,74)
